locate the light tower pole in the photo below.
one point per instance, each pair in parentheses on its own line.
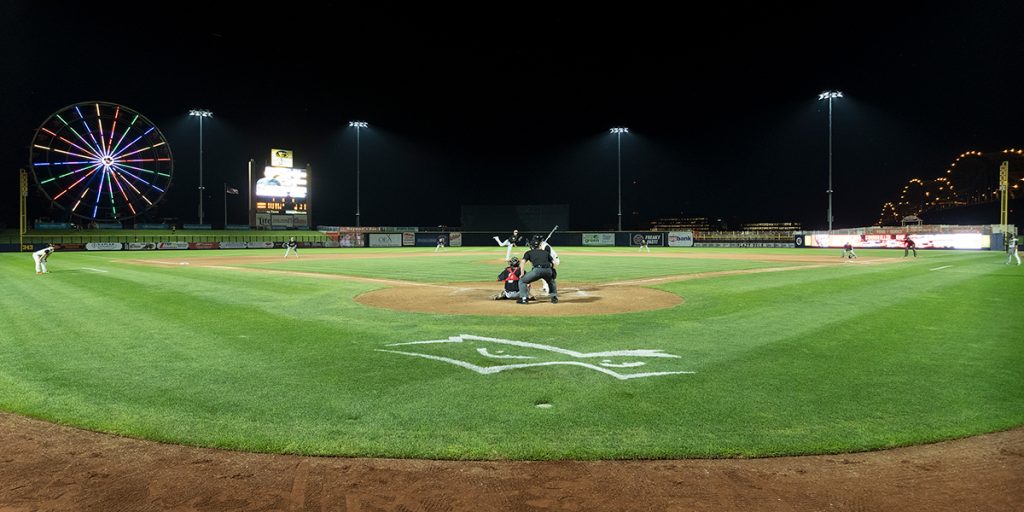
(618,131)
(829,95)
(357,125)
(200,113)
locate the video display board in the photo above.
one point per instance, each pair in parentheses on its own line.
(282,190)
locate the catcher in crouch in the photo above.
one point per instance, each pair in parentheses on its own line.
(510,276)
(543,268)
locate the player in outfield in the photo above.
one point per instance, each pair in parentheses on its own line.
(1011,251)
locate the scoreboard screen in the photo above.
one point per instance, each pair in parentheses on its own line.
(282,190)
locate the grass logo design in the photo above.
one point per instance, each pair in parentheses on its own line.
(512,355)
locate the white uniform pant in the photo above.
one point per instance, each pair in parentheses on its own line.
(505,243)
(40,263)
(289,249)
(1013,254)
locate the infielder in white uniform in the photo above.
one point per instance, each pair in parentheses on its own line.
(40,256)
(291,247)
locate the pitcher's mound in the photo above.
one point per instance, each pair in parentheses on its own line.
(478,299)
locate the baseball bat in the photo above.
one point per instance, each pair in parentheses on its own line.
(551,233)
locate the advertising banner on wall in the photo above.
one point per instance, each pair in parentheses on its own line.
(655,239)
(350,239)
(174,246)
(103,246)
(736,245)
(233,245)
(599,239)
(260,245)
(680,238)
(142,246)
(385,240)
(429,239)
(263,220)
(408,239)
(455,239)
(203,245)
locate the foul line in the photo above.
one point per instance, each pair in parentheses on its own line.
(939,268)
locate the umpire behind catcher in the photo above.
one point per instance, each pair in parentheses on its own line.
(543,268)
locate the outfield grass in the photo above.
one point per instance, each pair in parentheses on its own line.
(813,360)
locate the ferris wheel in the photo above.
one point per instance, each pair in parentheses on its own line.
(101,161)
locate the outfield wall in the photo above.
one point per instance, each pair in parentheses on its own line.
(986,237)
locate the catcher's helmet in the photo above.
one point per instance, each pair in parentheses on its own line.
(513,262)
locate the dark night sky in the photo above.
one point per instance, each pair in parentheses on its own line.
(474,106)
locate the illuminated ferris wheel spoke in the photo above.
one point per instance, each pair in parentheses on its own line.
(95,145)
(65,152)
(122,164)
(120,175)
(84,192)
(99,193)
(139,151)
(61,137)
(135,160)
(79,135)
(121,154)
(113,130)
(103,147)
(123,135)
(65,175)
(73,185)
(123,194)
(37,164)
(110,191)
(118,167)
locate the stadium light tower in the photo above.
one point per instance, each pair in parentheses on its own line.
(357,125)
(618,131)
(200,113)
(829,95)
